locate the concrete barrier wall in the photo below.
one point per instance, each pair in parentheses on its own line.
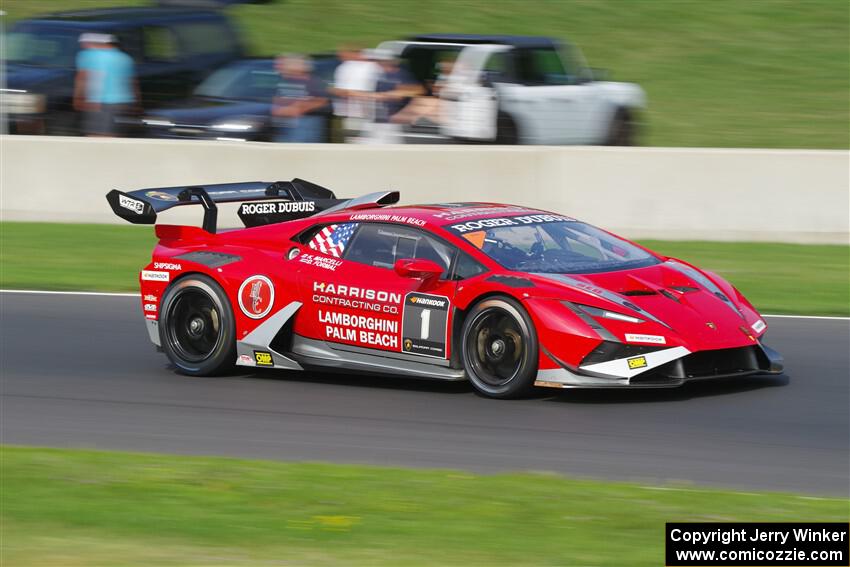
(705,194)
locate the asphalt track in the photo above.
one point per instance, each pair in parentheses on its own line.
(78,371)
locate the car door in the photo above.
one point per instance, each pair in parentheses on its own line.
(470,106)
(563,102)
(354,299)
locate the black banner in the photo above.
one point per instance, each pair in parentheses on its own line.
(806,544)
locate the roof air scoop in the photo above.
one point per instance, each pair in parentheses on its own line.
(378,199)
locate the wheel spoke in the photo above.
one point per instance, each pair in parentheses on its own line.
(193,325)
(496,342)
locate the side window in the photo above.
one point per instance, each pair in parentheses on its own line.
(548,68)
(206,38)
(539,67)
(160,44)
(382,245)
(330,239)
(499,68)
(466,267)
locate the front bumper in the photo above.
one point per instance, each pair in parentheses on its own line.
(667,368)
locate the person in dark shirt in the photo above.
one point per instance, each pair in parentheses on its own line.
(395,87)
(300,105)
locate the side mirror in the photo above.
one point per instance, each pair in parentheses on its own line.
(426,270)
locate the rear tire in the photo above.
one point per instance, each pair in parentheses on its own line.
(499,348)
(507,133)
(197,329)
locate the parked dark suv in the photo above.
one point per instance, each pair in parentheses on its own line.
(174,50)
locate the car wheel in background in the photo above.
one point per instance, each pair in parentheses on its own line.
(499,348)
(622,130)
(506,130)
(197,328)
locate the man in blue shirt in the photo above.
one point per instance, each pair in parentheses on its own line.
(105,87)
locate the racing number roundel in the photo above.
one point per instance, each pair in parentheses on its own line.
(256,297)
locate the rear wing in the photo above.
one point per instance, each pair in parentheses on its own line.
(292,199)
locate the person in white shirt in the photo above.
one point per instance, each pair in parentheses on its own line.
(354,79)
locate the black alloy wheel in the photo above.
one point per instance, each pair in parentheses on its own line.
(196,327)
(500,348)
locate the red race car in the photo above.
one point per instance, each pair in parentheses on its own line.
(505,296)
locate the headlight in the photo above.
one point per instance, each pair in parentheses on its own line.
(22,102)
(234,126)
(152,121)
(605,314)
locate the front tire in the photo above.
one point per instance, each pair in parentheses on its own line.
(622,130)
(197,328)
(499,348)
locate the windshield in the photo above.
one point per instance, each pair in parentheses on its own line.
(42,47)
(551,244)
(242,82)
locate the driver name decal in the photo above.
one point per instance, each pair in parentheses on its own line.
(256,297)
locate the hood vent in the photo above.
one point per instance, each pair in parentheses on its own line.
(684,288)
(634,292)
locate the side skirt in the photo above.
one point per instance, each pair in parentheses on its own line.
(260,339)
(311,352)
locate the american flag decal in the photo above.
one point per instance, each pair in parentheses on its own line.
(332,239)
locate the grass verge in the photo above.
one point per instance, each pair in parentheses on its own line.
(72,507)
(719,73)
(777,278)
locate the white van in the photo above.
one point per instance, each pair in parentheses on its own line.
(522,90)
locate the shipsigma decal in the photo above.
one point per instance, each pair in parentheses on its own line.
(759,326)
(150,306)
(654,339)
(323,262)
(256,297)
(167,266)
(506,221)
(131,204)
(277,207)
(364,330)
(353,297)
(246,360)
(152,276)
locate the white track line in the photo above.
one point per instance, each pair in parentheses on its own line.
(808,317)
(113,294)
(96,293)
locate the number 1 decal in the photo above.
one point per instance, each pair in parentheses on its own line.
(424,324)
(425,328)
